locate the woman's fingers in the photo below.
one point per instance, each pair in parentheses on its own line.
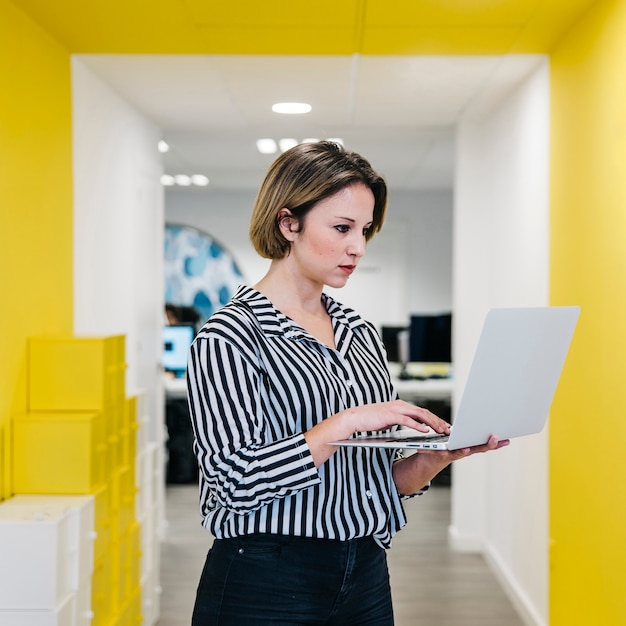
(397,412)
(432,420)
(493,443)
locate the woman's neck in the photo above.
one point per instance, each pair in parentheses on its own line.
(289,292)
(300,301)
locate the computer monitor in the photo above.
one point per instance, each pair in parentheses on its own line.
(430,338)
(391,338)
(176,342)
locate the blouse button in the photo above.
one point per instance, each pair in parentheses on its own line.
(349,383)
(241,550)
(369,494)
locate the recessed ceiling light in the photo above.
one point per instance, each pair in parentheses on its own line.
(291,108)
(183,180)
(310,140)
(200,180)
(266,146)
(163,146)
(287,143)
(167,180)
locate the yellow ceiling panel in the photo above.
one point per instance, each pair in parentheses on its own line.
(321,27)
(300,39)
(439,40)
(439,13)
(276,13)
(115,26)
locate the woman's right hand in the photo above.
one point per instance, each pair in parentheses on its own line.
(369,417)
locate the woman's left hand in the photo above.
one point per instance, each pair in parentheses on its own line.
(416,471)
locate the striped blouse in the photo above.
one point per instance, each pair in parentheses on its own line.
(256,382)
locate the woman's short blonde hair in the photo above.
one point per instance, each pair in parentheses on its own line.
(301,177)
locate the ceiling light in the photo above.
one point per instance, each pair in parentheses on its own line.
(200,180)
(266,146)
(287,143)
(183,180)
(167,180)
(291,108)
(310,140)
(163,146)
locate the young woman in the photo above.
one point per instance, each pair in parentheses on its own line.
(301,526)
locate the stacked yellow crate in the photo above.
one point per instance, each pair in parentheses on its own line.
(78,438)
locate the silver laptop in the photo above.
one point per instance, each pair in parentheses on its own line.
(510,386)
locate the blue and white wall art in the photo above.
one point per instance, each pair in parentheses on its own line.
(199,271)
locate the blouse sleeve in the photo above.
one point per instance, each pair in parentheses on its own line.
(243,470)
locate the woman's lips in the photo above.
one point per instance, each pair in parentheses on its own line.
(348,269)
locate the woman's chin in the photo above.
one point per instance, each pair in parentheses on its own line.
(338,283)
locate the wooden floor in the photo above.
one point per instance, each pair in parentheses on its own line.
(431,585)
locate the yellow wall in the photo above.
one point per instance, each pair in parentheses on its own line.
(588,265)
(588,499)
(35,202)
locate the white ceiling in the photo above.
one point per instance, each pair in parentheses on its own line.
(399,112)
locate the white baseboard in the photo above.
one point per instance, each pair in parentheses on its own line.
(464,542)
(526,609)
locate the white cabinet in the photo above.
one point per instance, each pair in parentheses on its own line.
(46,544)
(150,514)
(35,570)
(63,615)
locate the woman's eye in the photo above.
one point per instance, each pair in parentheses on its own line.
(342,228)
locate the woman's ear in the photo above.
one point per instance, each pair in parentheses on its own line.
(287,224)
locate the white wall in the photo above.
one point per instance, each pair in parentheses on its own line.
(415,244)
(499,501)
(497,251)
(427,217)
(118,230)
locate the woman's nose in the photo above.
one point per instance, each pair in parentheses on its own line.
(357,246)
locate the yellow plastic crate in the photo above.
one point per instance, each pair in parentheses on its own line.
(63,453)
(115,453)
(130,614)
(128,448)
(118,432)
(131,411)
(103,522)
(101,598)
(127,576)
(128,433)
(115,417)
(124,557)
(75,373)
(123,491)
(131,559)
(115,586)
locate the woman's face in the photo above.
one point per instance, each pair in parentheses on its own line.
(331,240)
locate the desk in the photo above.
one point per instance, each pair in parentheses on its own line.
(422,388)
(175,387)
(417,391)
